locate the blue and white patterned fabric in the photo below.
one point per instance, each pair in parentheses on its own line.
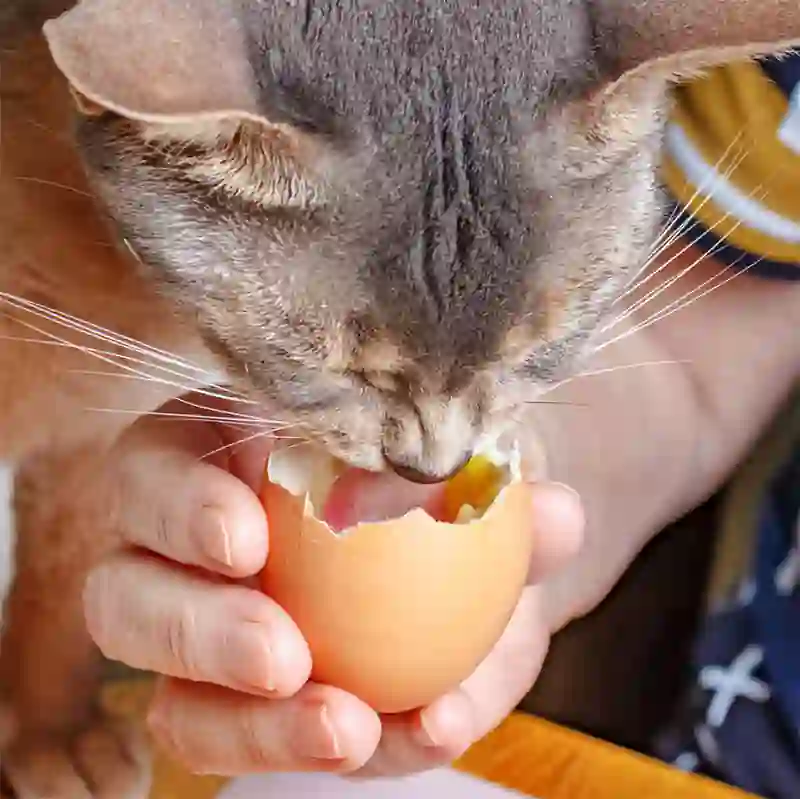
(741,720)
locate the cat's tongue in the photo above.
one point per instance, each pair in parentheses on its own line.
(360,496)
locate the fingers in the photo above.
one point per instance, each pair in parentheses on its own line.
(174,501)
(155,617)
(215,731)
(444,730)
(496,687)
(558,523)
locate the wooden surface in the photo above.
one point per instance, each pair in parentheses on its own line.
(550,762)
(526,754)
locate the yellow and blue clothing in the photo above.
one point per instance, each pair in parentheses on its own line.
(732,167)
(732,164)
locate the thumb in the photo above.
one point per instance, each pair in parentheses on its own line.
(557,526)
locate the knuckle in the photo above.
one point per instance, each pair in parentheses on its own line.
(180,642)
(165,729)
(161,533)
(99,606)
(256,746)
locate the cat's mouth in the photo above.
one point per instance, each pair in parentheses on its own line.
(342,495)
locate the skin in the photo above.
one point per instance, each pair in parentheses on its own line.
(646,446)
(594,159)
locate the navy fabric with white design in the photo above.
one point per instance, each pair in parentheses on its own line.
(741,722)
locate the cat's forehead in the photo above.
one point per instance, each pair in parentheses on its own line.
(385,59)
(441,228)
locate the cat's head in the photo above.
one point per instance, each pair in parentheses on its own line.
(395,220)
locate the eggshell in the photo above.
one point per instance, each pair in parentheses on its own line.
(398,612)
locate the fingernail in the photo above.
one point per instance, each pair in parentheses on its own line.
(447,723)
(156,716)
(315,735)
(213,535)
(426,734)
(569,489)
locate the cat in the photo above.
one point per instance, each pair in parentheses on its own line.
(388,224)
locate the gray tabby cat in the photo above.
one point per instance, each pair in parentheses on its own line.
(390,224)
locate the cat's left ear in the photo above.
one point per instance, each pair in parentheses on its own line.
(642,45)
(681,37)
(156,60)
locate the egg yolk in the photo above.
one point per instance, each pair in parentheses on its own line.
(476,485)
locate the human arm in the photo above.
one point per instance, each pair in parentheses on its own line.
(642,446)
(647,444)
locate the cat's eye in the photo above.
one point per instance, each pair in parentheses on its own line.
(383,381)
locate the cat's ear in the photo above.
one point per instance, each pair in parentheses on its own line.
(644,44)
(680,37)
(155,60)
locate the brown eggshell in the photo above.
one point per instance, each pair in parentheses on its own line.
(398,612)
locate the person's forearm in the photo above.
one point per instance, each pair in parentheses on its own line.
(645,445)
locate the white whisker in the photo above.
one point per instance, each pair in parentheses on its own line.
(106,358)
(193,417)
(198,388)
(706,190)
(54,184)
(228,412)
(247,439)
(668,311)
(610,370)
(103,334)
(668,236)
(664,286)
(159,357)
(678,234)
(212,391)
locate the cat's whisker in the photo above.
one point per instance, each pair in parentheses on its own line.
(653,294)
(99,355)
(668,235)
(26,340)
(228,412)
(150,364)
(183,400)
(653,258)
(301,442)
(669,311)
(664,265)
(705,188)
(204,390)
(66,344)
(199,380)
(55,185)
(610,370)
(758,192)
(195,417)
(60,137)
(556,402)
(90,329)
(200,386)
(254,437)
(685,299)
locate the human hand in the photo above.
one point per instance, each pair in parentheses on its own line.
(236,696)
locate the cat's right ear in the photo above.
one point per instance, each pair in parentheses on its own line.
(156,60)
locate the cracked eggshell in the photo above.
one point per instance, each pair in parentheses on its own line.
(398,612)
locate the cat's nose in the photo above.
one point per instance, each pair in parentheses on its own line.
(416,475)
